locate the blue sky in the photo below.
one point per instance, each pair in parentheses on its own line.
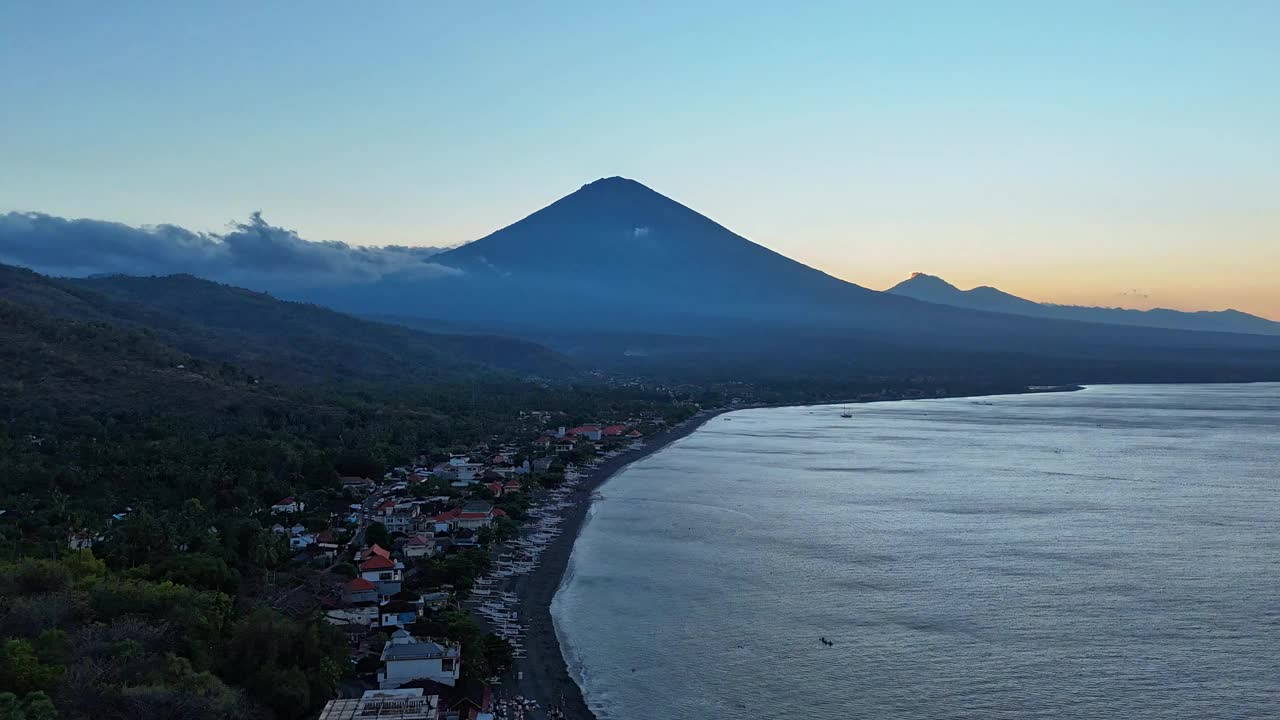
(1109,153)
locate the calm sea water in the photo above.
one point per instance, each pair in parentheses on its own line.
(1111,553)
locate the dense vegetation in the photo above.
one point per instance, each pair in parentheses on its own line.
(283,341)
(117,645)
(124,433)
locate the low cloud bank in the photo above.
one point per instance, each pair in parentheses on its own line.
(254,254)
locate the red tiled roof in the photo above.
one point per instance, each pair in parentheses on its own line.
(582,429)
(377,550)
(359,584)
(286,501)
(499,512)
(421,540)
(447,516)
(377,562)
(615,430)
(496,487)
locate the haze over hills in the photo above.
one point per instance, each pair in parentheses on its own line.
(284,341)
(930,288)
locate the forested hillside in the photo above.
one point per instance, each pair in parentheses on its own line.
(283,341)
(129,425)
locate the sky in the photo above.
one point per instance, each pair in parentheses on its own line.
(1119,154)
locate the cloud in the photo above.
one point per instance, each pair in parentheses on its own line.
(640,232)
(254,253)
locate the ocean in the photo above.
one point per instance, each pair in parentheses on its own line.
(1108,553)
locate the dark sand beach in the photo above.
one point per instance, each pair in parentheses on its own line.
(543,675)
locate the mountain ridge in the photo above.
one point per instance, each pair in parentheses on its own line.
(931,288)
(283,340)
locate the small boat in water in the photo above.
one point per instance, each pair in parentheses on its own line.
(846,415)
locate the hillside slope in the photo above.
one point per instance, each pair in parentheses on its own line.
(285,341)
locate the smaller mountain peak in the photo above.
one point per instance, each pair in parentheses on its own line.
(924,286)
(919,278)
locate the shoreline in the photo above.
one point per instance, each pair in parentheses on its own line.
(543,675)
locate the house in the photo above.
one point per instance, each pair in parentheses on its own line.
(376,549)
(504,471)
(387,575)
(406,658)
(614,430)
(400,517)
(589,432)
(436,600)
(563,445)
(495,488)
(542,464)
(444,522)
(458,469)
(511,486)
(357,484)
(327,543)
(358,590)
(399,613)
(288,505)
(420,546)
(476,515)
(82,540)
(406,704)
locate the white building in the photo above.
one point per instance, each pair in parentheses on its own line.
(420,546)
(409,704)
(401,518)
(476,515)
(459,469)
(406,658)
(289,505)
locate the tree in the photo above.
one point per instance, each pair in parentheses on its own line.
(9,707)
(38,706)
(376,534)
(21,670)
(498,653)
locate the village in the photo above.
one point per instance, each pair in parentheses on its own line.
(419,568)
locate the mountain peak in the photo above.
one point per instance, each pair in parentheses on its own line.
(925,281)
(617,182)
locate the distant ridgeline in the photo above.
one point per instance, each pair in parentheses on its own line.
(930,288)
